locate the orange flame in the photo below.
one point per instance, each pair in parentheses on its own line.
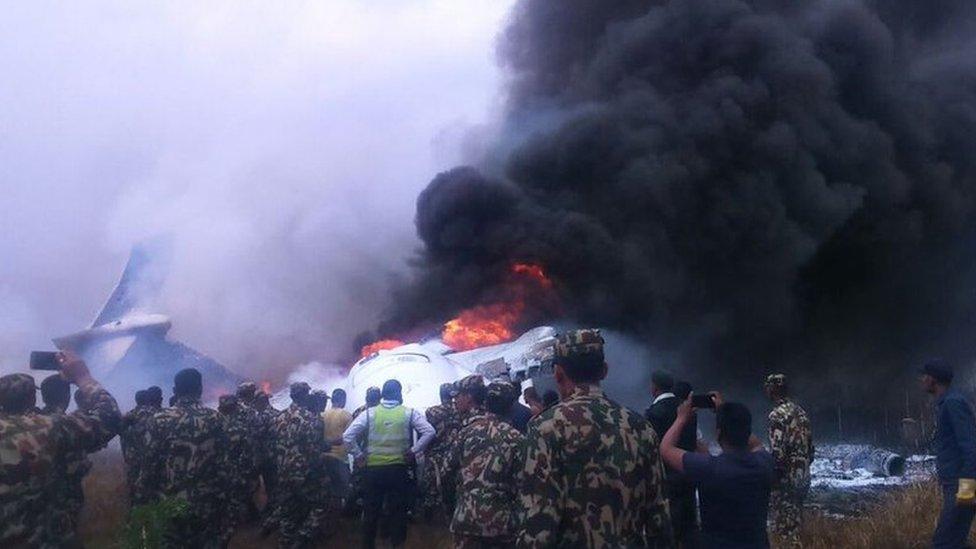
(495,323)
(266,387)
(378,346)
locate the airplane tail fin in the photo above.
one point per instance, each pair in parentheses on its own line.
(141,281)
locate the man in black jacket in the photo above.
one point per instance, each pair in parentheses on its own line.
(954,445)
(661,414)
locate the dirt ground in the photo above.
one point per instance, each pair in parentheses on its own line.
(903,521)
(106,506)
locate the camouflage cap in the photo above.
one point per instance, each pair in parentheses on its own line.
(16,389)
(503,391)
(470,382)
(775,380)
(577,343)
(247,389)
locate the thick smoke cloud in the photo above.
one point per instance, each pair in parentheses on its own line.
(746,185)
(282,146)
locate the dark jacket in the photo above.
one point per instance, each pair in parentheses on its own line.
(662,416)
(519,416)
(954,442)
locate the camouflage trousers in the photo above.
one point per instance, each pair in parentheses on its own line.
(200,528)
(786,515)
(300,514)
(59,522)
(437,492)
(240,506)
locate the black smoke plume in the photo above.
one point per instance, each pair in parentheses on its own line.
(745,185)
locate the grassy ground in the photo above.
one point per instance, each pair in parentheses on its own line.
(903,521)
(906,520)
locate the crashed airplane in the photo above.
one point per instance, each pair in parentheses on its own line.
(422,367)
(126,346)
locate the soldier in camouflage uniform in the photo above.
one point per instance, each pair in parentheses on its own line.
(444,419)
(133,437)
(300,505)
(592,474)
(246,396)
(186,459)
(33,445)
(67,497)
(791,445)
(482,464)
(265,443)
(241,465)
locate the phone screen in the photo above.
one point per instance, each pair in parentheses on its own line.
(44,360)
(702,401)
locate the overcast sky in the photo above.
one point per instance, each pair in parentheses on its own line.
(282,143)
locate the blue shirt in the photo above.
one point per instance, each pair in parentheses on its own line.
(734,491)
(954,442)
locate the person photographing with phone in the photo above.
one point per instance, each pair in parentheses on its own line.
(36,443)
(733,486)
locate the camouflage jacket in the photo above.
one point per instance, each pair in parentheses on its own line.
(446,423)
(299,446)
(240,429)
(791,445)
(592,477)
(483,465)
(186,457)
(32,446)
(71,469)
(133,438)
(265,434)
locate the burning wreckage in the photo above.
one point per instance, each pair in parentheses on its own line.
(127,347)
(422,367)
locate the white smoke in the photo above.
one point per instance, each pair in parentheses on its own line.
(282,145)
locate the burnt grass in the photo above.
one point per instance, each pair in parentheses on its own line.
(904,518)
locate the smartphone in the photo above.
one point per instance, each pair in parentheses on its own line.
(702,401)
(44,360)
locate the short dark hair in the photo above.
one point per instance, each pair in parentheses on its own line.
(446,392)
(734,421)
(338,398)
(663,380)
(154,395)
(299,392)
(142,397)
(583,368)
(188,382)
(318,401)
(478,393)
(939,370)
(373,395)
(55,391)
(392,390)
(682,389)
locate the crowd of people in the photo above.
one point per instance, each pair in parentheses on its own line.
(582,471)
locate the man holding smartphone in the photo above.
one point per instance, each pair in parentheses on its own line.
(34,443)
(733,486)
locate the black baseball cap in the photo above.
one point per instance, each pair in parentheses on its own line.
(939,369)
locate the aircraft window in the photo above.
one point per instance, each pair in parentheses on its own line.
(412,358)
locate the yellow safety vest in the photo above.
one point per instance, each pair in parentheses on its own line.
(389,436)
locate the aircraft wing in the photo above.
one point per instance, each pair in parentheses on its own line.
(141,281)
